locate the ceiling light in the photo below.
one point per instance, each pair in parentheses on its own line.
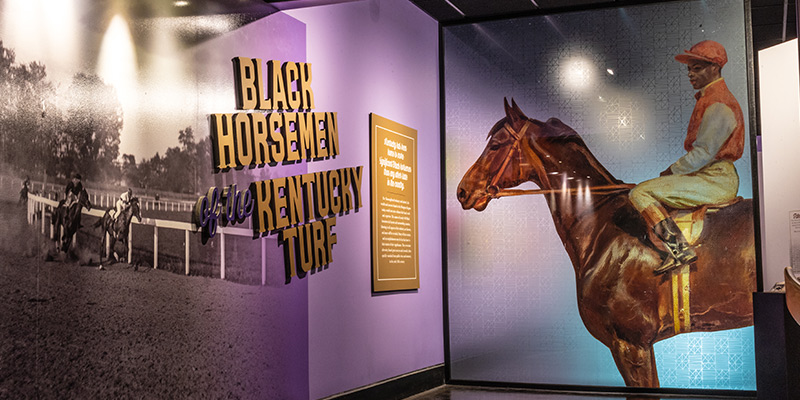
(456,8)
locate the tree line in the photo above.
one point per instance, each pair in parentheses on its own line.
(44,133)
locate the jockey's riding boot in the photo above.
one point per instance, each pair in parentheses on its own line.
(681,253)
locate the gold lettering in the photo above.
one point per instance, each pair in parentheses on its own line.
(333,134)
(330,237)
(355,173)
(246,87)
(279,203)
(320,135)
(262,215)
(334,184)
(291,74)
(318,234)
(290,136)
(304,248)
(258,122)
(321,198)
(304,86)
(244,154)
(305,134)
(277,87)
(222,139)
(308,194)
(344,190)
(288,239)
(277,153)
(294,190)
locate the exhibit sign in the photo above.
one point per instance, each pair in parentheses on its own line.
(302,209)
(395,255)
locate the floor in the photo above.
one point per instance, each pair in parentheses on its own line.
(455,392)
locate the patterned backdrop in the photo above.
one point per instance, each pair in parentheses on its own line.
(610,74)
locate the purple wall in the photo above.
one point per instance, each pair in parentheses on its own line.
(381,57)
(322,334)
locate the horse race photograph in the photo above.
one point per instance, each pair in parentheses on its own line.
(110,289)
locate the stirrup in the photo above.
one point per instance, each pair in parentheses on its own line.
(672,261)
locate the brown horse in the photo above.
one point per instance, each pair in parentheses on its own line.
(621,302)
(69,219)
(117,229)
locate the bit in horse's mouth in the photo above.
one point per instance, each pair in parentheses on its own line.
(479,203)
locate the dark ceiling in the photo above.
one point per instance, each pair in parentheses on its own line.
(767,15)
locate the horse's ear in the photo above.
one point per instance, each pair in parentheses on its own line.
(513,113)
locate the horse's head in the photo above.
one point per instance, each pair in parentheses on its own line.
(135,209)
(503,163)
(550,154)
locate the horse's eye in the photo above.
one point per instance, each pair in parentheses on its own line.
(494,146)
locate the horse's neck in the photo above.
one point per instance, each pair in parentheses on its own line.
(125,216)
(578,217)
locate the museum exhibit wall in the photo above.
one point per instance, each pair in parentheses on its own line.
(306,336)
(379,57)
(780,124)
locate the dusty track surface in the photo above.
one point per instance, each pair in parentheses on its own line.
(69,330)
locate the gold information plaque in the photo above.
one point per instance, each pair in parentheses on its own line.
(395,257)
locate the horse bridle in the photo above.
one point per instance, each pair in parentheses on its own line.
(536,162)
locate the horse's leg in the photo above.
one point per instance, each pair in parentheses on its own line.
(111,251)
(66,241)
(102,242)
(636,363)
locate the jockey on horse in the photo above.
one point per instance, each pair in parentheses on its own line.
(705,174)
(72,190)
(123,202)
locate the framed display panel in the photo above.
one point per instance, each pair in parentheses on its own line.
(395,255)
(550,287)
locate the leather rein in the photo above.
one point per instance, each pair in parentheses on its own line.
(495,192)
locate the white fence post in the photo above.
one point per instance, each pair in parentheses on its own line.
(130,242)
(155,247)
(221,255)
(108,245)
(187,252)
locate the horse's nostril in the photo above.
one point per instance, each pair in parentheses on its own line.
(462,194)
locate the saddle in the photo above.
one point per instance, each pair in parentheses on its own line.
(690,221)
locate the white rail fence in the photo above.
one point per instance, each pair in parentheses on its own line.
(42,207)
(101,198)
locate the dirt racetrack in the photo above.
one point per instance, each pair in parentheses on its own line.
(71,331)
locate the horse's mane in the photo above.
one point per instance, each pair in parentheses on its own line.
(556,128)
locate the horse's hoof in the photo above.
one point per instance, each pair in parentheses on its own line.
(100,267)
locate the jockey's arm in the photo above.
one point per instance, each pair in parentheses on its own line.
(717,125)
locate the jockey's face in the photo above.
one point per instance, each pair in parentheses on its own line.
(701,73)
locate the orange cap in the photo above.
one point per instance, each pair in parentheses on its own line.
(707,50)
